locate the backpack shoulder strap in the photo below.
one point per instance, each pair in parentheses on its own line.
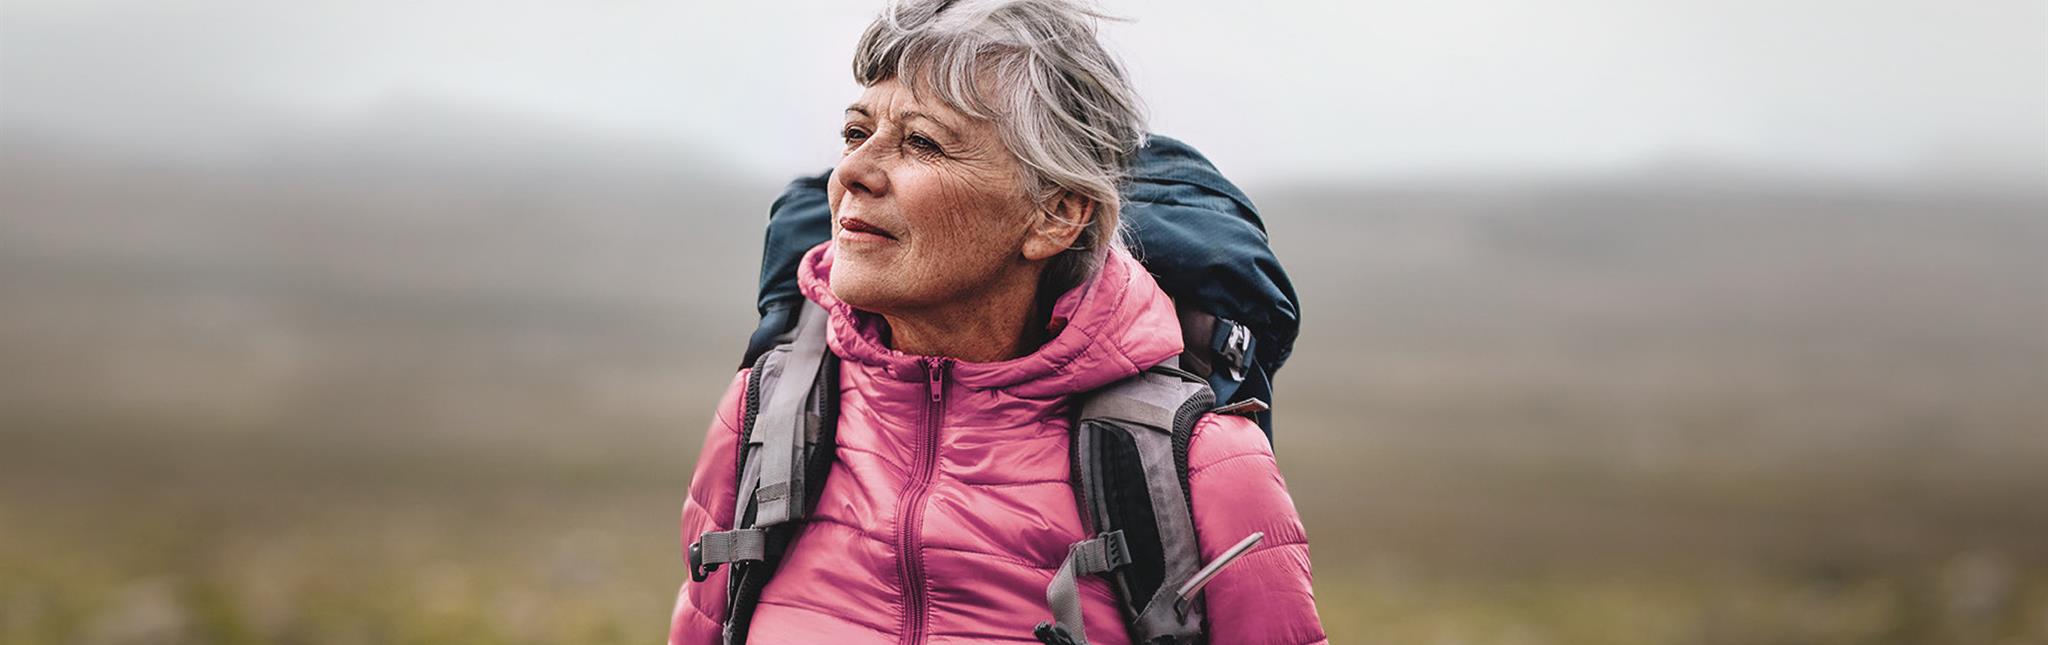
(792,412)
(1129,453)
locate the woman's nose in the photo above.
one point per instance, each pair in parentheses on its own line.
(860,171)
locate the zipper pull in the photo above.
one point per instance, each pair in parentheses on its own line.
(937,372)
(1185,595)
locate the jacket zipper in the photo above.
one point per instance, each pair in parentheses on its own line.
(912,558)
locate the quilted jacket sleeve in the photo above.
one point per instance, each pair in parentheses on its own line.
(709,508)
(1267,595)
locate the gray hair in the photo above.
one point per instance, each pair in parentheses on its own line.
(1062,103)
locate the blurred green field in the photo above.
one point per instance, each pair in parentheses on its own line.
(114,537)
(290,407)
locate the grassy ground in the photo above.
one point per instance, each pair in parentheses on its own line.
(118,537)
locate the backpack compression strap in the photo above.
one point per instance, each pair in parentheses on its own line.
(777,428)
(792,406)
(1129,451)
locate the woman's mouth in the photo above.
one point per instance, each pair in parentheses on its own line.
(857,229)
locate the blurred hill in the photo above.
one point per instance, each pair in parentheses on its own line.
(389,260)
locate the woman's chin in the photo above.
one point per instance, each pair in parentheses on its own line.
(859,287)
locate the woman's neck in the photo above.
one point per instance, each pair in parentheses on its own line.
(997,323)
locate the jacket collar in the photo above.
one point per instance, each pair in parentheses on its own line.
(1118,324)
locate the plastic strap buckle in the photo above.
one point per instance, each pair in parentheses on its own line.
(1051,634)
(698,570)
(1116,552)
(1233,343)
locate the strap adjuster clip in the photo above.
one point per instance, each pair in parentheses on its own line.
(698,570)
(1115,550)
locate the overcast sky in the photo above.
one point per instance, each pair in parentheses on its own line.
(1274,91)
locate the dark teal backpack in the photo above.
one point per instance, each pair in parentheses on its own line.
(1194,230)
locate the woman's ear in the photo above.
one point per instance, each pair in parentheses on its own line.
(1059,226)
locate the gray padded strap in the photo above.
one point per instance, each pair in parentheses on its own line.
(1147,408)
(722,547)
(1174,524)
(1113,405)
(1096,555)
(750,474)
(1149,399)
(778,426)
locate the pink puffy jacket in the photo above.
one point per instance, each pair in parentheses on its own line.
(948,509)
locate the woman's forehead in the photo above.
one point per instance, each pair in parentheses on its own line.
(892,100)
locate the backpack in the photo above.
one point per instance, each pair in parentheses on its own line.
(1194,230)
(1205,243)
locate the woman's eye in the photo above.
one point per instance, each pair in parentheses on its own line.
(852,135)
(923,144)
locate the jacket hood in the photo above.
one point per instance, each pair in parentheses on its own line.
(1118,324)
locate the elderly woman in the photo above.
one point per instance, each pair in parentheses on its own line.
(974,292)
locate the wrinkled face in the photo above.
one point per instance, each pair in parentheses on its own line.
(928,205)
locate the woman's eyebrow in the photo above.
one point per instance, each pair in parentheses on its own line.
(907,115)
